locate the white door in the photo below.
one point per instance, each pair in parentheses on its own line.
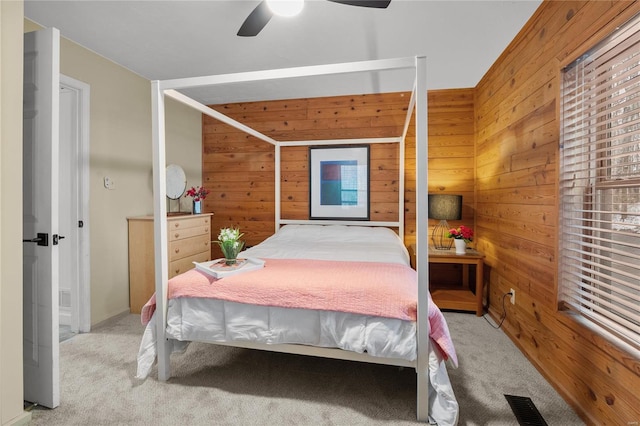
(40,217)
(74,206)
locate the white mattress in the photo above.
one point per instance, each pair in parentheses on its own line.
(212,320)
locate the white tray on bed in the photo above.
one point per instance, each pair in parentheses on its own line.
(219,269)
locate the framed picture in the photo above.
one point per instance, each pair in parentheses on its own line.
(339,182)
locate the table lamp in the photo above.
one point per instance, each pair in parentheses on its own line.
(443,207)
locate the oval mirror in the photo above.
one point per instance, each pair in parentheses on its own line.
(176,181)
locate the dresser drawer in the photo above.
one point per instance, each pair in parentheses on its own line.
(181,233)
(188,246)
(183,265)
(194,221)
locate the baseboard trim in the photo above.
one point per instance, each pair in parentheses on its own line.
(111,319)
(22,420)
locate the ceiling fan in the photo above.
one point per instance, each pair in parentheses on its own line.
(259,17)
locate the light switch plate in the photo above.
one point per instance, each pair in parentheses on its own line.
(109,183)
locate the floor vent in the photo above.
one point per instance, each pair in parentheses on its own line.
(525,411)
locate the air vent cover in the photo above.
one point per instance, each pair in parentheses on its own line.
(525,411)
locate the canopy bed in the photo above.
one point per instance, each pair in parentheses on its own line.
(419,325)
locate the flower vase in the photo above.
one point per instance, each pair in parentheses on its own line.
(230,250)
(197,207)
(461,246)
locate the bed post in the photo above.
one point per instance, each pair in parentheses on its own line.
(160,228)
(278,172)
(422,189)
(401,150)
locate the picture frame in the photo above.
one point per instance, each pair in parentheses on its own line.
(339,182)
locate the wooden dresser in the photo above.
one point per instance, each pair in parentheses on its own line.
(189,239)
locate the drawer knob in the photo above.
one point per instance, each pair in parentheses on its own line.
(177,271)
(177,250)
(177,234)
(177,224)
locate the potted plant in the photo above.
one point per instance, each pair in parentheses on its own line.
(198,194)
(230,244)
(461,236)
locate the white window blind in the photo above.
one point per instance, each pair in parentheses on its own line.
(599,272)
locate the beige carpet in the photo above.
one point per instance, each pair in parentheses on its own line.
(216,385)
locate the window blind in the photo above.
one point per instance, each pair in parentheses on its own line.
(599,185)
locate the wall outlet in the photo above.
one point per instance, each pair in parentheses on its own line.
(513,296)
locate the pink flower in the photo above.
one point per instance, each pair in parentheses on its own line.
(462,233)
(198,193)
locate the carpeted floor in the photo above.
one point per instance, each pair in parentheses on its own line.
(216,385)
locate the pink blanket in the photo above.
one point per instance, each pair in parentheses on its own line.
(367,288)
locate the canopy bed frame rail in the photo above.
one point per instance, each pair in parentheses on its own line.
(162,89)
(316,351)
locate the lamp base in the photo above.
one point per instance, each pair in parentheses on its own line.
(439,236)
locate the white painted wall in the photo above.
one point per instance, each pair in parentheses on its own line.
(11,387)
(121,149)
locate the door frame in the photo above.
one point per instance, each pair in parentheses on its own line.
(81,303)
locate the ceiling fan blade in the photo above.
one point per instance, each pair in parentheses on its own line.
(379,4)
(256,20)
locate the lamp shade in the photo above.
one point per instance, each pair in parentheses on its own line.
(445,207)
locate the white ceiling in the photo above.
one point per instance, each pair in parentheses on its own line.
(162,40)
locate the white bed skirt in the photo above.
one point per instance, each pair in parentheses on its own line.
(217,321)
(212,320)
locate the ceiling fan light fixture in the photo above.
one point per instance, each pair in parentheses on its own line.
(285,7)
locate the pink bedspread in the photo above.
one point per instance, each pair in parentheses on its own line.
(367,288)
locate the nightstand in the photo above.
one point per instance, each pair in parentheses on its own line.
(462,299)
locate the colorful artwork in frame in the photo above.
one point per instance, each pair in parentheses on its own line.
(339,182)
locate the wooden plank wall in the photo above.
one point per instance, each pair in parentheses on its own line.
(517,143)
(239,169)
(451,150)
